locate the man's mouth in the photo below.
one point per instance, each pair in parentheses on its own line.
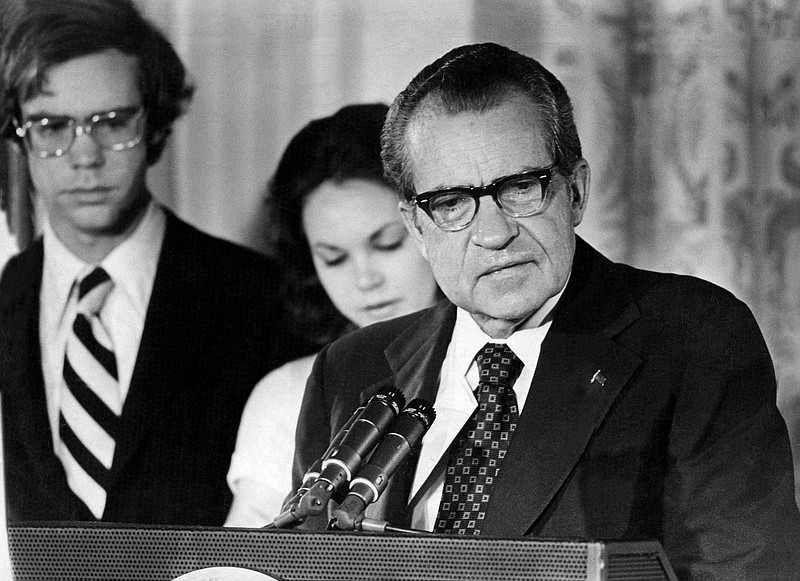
(505,266)
(379,306)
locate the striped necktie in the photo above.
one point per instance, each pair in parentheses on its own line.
(478,451)
(90,399)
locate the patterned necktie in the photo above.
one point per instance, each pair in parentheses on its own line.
(477,452)
(90,400)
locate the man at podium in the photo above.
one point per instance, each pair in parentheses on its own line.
(575,397)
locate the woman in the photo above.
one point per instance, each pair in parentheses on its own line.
(349,262)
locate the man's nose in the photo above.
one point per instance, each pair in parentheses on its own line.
(85,151)
(492,228)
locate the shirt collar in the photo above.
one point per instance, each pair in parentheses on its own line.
(61,269)
(131,265)
(525,342)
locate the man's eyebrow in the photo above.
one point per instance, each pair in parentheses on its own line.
(39,115)
(524,169)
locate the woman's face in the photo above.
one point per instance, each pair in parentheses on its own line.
(365,260)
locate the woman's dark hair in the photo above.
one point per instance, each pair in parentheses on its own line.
(341,147)
(45,33)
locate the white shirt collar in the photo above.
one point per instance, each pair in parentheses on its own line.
(61,269)
(525,342)
(131,265)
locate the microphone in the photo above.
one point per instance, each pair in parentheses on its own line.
(344,459)
(405,432)
(288,516)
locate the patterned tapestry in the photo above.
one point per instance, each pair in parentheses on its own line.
(689,113)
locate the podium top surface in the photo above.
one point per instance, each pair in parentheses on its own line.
(49,551)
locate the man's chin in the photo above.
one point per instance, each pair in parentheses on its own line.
(498,306)
(101,228)
(500,323)
(101,221)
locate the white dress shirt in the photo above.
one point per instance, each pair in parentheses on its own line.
(455,401)
(132,267)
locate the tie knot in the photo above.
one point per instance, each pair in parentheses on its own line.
(497,363)
(93,290)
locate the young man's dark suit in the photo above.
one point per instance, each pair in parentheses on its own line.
(681,442)
(212,331)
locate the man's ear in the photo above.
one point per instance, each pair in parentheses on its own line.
(409,214)
(579,190)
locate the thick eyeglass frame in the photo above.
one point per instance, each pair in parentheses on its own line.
(544,175)
(84,127)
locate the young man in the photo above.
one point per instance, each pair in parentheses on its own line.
(619,404)
(129,340)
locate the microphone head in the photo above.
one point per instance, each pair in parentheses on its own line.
(391,397)
(422,410)
(353,443)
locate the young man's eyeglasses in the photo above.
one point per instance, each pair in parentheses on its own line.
(112,130)
(517,195)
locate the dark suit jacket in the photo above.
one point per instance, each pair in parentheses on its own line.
(683,443)
(212,330)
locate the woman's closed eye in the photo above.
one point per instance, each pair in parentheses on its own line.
(389,238)
(389,246)
(331,257)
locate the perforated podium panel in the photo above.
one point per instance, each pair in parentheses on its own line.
(43,552)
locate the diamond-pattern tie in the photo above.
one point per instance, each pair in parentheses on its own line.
(478,451)
(90,400)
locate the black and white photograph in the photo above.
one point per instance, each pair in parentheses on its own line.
(390,290)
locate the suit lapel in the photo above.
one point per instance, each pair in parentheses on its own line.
(416,358)
(416,355)
(566,404)
(26,424)
(176,323)
(581,371)
(19,335)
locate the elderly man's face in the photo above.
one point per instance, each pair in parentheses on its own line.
(500,269)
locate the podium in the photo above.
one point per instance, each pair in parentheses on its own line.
(102,552)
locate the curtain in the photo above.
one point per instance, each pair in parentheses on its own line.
(689,116)
(263,69)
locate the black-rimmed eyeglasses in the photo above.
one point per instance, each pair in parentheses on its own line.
(519,195)
(112,130)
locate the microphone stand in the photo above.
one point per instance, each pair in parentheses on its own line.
(372,525)
(339,463)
